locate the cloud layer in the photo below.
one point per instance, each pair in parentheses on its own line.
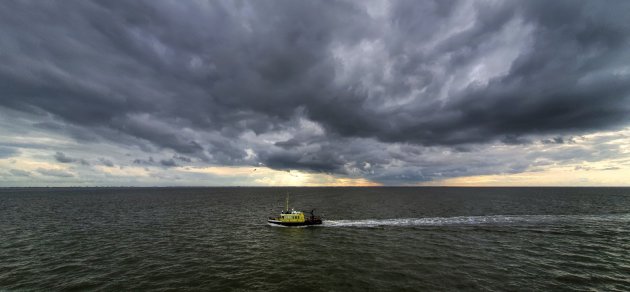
(395,92)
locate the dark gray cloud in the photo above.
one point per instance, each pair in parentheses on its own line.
(182,158)
(168,162)
(106,162)
(318,86)
(555,140)
(139,161)
(63,158)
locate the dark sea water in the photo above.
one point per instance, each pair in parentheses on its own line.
(373,239)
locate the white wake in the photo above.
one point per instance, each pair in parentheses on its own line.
(478,220)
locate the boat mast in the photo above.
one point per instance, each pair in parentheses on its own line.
(287,202)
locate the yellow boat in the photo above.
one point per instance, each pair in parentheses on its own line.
(294,218)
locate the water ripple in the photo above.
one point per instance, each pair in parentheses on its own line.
(217,239)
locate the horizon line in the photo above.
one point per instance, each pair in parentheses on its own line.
(391,186)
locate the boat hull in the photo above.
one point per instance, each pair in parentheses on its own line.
(294,224)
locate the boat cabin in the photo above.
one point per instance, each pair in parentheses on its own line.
(292,216)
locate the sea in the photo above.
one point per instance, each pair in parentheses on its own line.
(372,239)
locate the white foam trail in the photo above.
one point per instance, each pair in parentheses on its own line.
(477,220)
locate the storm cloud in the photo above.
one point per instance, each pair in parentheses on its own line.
(361,88)
(63,158)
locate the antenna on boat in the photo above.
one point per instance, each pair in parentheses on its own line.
(287,202)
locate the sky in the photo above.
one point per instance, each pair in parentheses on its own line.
(315,93)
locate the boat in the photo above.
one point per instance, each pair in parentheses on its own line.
(294,218)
